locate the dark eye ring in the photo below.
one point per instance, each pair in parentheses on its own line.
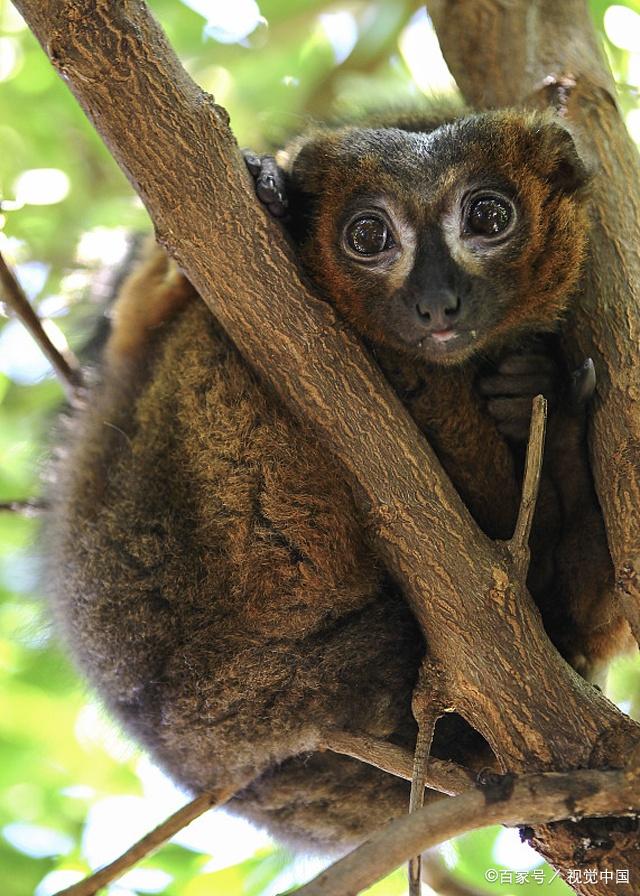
(487,215)
(368,235)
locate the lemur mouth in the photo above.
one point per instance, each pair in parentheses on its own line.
(443,335)
(442,343)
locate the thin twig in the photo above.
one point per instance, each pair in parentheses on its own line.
(150,842)
(65,366)
(442,775)
(510,800)
(519,543)
(426,705)
(33,507)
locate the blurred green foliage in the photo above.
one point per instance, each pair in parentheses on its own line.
(61,762)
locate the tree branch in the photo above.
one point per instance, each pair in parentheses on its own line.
(65,365)
(530,799)
(150,842)
(33,507)
(442,775)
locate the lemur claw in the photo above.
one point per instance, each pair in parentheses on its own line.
(583,385)
(269,182)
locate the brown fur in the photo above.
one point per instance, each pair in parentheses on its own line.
(134,322)
(209,569)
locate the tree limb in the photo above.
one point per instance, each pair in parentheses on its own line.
(530,799)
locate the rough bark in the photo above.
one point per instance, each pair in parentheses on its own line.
(174,144)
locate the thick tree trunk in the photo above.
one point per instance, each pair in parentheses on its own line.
(542,52)
(174,143)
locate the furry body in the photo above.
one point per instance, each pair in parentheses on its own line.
(209,567)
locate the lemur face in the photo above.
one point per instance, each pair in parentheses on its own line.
(443,244)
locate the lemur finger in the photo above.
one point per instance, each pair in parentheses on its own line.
(518,364)
(270,187)
(583,385)
(252,161)
(524,384)
(269,182)
(512,416)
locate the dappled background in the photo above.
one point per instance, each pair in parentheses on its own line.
(73,792)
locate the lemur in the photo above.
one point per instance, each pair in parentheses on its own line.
(209,567)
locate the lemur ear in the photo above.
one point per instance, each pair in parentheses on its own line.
(301,162)
(308,158)
(566,171)
(298,158)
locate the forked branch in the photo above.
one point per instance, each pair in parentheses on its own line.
(429,696)
(530,799)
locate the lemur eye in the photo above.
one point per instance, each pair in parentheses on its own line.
(368,235)
(488,215)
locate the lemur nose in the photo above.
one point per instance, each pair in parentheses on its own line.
(438,310)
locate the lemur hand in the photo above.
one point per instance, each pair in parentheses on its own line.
(269,181)
(520,377)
